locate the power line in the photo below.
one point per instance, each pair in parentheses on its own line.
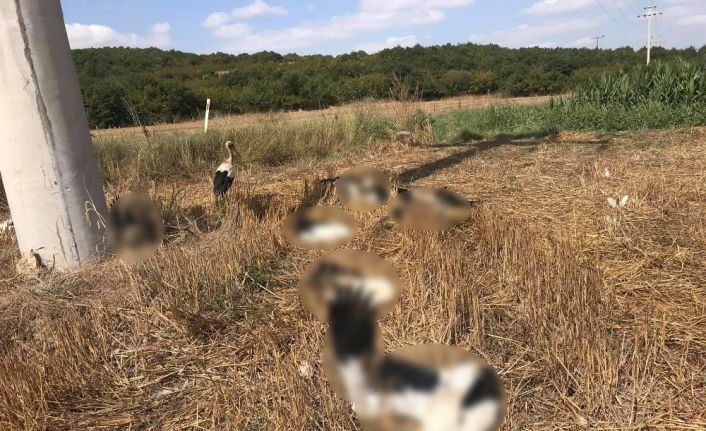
(621,11)
(605,11)
(622,28)
(639,5)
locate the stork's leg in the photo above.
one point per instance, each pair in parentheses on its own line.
(218,200)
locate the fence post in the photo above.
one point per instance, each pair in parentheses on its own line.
(208,108)
(48,164)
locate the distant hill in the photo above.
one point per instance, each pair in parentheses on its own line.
(165,86)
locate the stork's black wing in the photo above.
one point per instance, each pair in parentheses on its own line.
(487,386)
(352,324)
(396,374)
(221,182)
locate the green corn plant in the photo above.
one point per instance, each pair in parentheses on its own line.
(672,84)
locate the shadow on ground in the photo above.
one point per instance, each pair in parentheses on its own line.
(428,169)
(473,149)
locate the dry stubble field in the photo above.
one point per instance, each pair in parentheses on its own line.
(595,317)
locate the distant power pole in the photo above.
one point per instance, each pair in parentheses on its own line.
(49,168)
(597,38)
(650,12)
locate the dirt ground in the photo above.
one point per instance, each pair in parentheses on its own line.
(594,316)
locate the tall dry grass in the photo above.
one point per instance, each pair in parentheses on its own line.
(273,142)
(593,316)
(388,108)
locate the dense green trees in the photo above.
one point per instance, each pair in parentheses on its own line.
(165,86)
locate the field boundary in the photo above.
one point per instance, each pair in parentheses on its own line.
(374,106)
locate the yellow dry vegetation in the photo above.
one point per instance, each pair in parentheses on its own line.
(594,316)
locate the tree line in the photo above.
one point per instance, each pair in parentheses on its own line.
(121,86)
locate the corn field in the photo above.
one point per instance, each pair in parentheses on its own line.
(672,84)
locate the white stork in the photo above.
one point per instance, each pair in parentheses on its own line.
(438,387)
(426,387)
(225,173)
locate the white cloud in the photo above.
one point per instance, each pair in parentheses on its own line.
(160,35)
(555,7)
(549,7)
(537,34)
(337,28)
(256,8)
(693,20)
(400,5)
(232,31)
(161,28)
(372,15)
(95,36)
(215,20)
(680,22)
(390,42)
(583,42)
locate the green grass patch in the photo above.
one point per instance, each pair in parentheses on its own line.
(456,127)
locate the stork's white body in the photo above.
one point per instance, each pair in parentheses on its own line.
(437,410)
(325,233)
(225,173)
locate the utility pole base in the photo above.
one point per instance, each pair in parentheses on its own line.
(48,165)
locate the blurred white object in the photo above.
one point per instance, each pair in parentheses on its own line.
(305,369)
(437,387)
(349,273)
(614,203)
(363,188)
(319,228)
(404,137)
(432,387)
(7,226)
(606,173)
(30,264)
(135,228)
(428,208)
(325,232)
(611,220)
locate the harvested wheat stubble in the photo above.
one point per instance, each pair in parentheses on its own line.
(595,317)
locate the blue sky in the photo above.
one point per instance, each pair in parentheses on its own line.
(339,26)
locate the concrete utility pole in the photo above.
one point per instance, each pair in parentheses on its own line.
(48,164)
(597,38)
(650,12)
